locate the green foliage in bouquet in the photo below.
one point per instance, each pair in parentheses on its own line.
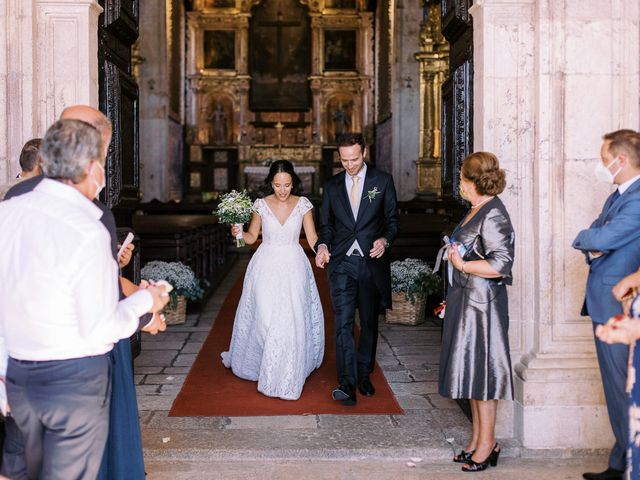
(234,207)
(413,276)
(179,275)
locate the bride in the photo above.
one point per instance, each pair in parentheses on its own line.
(278,332)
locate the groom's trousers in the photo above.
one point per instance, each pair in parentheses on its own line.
(352,287)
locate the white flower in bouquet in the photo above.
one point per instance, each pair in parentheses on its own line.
(234,209)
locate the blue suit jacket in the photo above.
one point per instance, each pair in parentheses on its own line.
(615,233)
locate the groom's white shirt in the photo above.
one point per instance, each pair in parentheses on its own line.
(348,182)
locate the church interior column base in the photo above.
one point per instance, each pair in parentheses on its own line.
(560,403)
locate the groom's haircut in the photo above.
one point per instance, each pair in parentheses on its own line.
(349,139)
(626,141)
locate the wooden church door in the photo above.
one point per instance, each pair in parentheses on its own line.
(457,94)
(117,31)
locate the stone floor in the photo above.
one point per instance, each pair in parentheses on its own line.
(418,444)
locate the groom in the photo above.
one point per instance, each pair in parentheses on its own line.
(358,223)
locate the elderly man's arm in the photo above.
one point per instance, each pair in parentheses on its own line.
(100,314)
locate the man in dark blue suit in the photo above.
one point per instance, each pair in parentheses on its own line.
(612,249)
(358,223)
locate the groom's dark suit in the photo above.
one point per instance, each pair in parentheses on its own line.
(358,281)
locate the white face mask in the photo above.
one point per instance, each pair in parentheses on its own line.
(100,186)
(603,174)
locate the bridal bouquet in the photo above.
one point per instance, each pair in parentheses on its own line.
(234,208)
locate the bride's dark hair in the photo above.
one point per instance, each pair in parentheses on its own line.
(282,166)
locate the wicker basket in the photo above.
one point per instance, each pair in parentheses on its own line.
(177,315)
(404,312)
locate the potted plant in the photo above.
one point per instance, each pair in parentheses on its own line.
(186,286)
(412,280)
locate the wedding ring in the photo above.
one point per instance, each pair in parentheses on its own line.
(162,318)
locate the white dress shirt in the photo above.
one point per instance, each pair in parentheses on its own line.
(623,187)
(59,290)
(348,182)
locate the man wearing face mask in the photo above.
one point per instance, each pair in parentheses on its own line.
(612,249)
(60,314)
(123,456)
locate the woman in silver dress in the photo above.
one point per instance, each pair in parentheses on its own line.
(474,360)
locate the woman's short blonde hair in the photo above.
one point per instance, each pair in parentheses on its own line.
(483,169)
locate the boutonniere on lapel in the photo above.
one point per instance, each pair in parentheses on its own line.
(372,194)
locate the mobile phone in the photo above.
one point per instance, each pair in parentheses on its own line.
(126,242)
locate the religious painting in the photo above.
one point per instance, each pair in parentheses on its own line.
(339,114)
(219,4)
(280,56)
(340,4)
(340,50)
(219,48)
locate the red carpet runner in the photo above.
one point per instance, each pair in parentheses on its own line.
(212,390)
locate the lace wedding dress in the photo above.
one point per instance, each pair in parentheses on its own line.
(278,332)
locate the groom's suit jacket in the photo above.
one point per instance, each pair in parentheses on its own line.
(615,233)
(377,217)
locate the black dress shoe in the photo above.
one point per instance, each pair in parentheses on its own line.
(345,394)
(366,387)
(608,474)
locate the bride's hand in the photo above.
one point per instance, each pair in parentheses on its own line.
(236,230)
(323,256)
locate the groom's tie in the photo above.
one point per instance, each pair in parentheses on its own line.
(355,198)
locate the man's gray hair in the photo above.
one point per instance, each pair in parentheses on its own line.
(68,147)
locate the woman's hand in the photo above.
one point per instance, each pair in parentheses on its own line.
(624,286)
(625,331)
(236,230)
(454,257)
(125,257)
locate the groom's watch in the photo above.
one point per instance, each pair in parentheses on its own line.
(386,243)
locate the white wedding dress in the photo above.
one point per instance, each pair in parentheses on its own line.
(278,331)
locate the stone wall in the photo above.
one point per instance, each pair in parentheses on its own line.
(405,108)
(161,132)
(551,77)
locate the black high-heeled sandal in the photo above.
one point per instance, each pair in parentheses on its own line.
(492,459)
(463,457)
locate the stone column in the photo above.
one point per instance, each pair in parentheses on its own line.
(434,64)
(48,60)
(161,132)
(551,77)
(405,103)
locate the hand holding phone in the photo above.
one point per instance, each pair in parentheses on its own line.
(126,243)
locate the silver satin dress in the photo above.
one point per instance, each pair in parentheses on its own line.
(474,360)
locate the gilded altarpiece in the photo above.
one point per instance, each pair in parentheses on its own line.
(225,65)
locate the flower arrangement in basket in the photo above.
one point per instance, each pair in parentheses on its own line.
(234,208)
(186,286)
(411,281)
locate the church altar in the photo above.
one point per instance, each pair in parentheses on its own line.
(254,176)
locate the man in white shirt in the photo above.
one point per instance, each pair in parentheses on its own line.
(59,308)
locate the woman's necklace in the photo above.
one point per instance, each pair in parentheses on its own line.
(481,203)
